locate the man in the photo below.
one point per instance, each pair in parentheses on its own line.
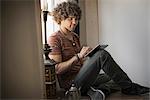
(72,63)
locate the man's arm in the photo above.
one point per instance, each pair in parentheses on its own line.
(62,67)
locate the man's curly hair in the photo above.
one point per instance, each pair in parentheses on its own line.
(66,9)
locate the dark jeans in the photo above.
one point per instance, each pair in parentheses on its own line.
(89,73)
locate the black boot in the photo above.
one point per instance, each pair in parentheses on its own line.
(136,89)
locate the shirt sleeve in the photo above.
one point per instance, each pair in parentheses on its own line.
(55,45)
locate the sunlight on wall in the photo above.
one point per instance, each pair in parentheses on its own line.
(124,27)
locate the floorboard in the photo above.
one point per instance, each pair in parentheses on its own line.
(120,96)
(114,96)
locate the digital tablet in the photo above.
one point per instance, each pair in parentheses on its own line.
(95,49)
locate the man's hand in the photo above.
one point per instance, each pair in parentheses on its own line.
(84,51)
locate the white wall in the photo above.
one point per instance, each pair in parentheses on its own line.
(124,26)
(22,65)
(149,37)
(91,18)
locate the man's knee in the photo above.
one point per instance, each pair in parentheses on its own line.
(104,55)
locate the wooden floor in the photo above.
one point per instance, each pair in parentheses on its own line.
(118,96)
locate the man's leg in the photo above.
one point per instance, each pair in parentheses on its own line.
(89,71)
(112,69)
(92,66)
(102,59)
(105,84)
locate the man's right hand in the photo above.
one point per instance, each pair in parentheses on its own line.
(84,51)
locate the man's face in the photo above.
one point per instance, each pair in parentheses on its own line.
(70,23)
